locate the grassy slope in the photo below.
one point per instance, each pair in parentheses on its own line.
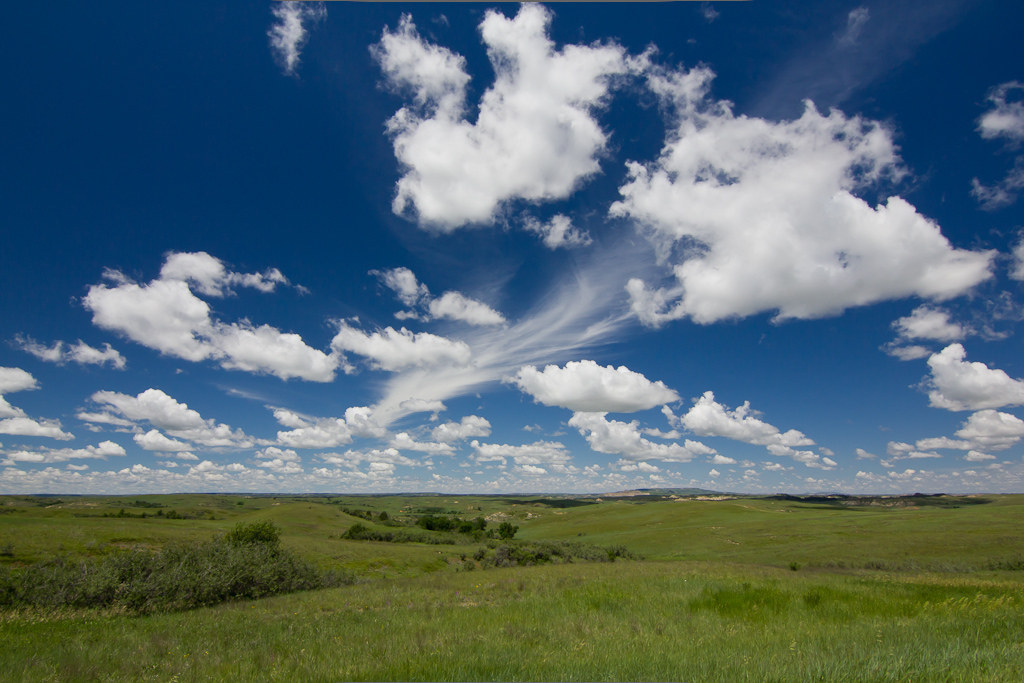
(776,533)
(717,604)
(625,621)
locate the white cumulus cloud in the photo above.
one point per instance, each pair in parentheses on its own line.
(585,386)
(559,232)
(535,458)
(764,216)
(51,455)
(924,322)
(451,305)
(163,412)
(624,439)
(13,420)
(153,440)
(958,384)
(165,315)
(457,306)
(534,136)
(707,417)
(392,350)
(470,426)
(79,352)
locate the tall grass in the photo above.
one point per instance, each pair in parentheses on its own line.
(622,621)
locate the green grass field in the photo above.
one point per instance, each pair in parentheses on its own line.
(743,589)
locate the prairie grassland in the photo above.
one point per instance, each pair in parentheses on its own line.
(622,621)
(879,593)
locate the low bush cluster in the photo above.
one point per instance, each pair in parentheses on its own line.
(361,532)
(442,523)
(246,563)
(547,552)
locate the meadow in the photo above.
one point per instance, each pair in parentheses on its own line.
(701,589)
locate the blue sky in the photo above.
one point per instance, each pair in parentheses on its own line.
(498,248)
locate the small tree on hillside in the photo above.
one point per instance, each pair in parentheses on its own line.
(264,532)
(507,530)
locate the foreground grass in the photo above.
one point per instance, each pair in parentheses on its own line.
(622,621)
(882,592)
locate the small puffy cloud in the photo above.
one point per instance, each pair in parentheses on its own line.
(926,322)
(534,136)
(16,379)
(13,420)
(1002,193)
(764,216)
(991,430)
(404,284)
(558,232)
(1004,120)
(101,451)
(941,442)
(392,350)
(288,35)
(326,432)
(163,412)
(707,417)
(456,306)
(265,349)
(905,475)
(27,426)
(978,456)
(275,453)
(912,352)
(450,305)
(864,455)
(403,441)
(956,384)
(361,422)
(534,458)
(153,440)
(624,439)
(11,380)
(79,352)
(165,315)
(353,459)
(470,426)
(279,461)
(631,466)
(321,433)
(585,386)
(713,473)
(209,276)
(290,419)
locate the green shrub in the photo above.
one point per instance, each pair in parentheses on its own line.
(247,563)
(251,533)
(507,530)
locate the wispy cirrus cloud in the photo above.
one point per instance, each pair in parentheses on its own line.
(289,34)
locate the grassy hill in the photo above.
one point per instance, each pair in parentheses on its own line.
(745,588)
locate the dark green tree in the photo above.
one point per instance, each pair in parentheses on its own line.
(507,530)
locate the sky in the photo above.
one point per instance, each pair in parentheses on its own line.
(500,248)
